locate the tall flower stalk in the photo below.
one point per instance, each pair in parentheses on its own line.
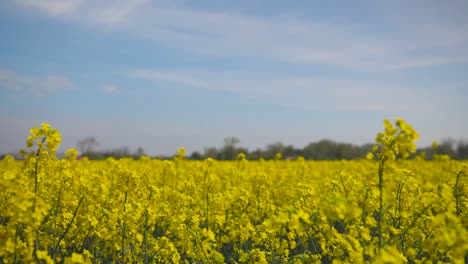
(397,141)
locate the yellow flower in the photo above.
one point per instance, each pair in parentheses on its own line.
(75,259)
(43,255)
(181,152)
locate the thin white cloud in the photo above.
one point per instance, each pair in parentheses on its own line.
(109,88)
(422,41)
(53,7)
(308,93)
(31,84)
(113,13)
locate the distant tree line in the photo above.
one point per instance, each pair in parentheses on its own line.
(87,147)
(456,150)
(324,149)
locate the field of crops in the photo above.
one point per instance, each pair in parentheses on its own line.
(374,210)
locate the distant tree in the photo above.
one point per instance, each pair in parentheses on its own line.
(121,152)
(343,151)
(87,145)
(447,147)
(325,149)
(231,141)
(363,150)
(256,154)
(196,156)
(139,152)
(210,152)
(241,150)
(229,151)
(289,152)
(273,149)
(462,150)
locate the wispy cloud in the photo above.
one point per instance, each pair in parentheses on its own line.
(35,85)
(306,93)
(394,58)
(285,39)
(109,88)
(113,13)
(53,7)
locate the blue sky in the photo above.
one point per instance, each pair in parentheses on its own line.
(169,74)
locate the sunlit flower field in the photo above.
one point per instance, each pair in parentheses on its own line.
(381,209)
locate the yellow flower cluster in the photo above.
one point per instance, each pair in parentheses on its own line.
(268,211)
(396,140)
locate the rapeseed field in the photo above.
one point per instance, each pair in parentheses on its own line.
(381,209)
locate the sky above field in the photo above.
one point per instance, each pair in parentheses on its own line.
(169,74)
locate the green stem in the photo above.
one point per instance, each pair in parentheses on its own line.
(36,182)
(164,184)
(457,207)
(145,230)
(123,224)
(258,199)
(380,218)
(16,243)
(55,222)
(36,190)
(68,226)
(145,237)
(123,243)
(202,249)
(207,208)
(206,188)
